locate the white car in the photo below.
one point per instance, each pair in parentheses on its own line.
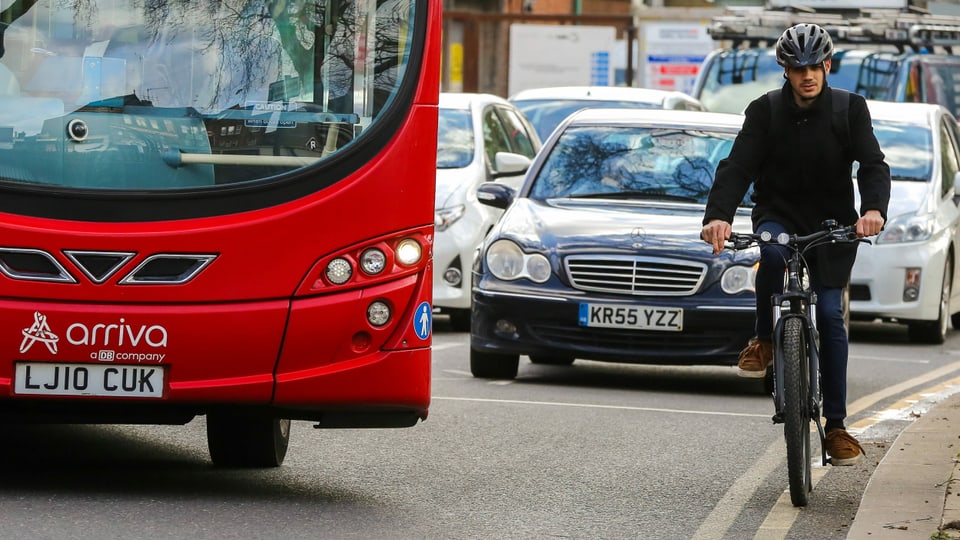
(481,138)
(547,107)
(909,273)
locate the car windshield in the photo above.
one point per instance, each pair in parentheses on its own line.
(546,114)
(737,77)
(455,143)
(633,162)
(908,149)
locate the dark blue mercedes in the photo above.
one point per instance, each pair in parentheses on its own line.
(598,255)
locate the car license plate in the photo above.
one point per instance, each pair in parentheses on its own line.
(666,319)
(55,379)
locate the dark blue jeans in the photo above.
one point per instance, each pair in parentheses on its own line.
(834,347)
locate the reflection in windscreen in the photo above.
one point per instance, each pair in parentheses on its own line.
(455,143)
(633,162)
(169,93)
(737,77)
(546,115)
(908,149)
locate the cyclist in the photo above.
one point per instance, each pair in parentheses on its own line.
(800,167)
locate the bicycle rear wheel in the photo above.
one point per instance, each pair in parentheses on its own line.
(796,412)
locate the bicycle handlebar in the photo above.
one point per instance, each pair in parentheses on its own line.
(831,233)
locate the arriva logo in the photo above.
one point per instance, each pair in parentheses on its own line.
(101,335)
(39,331)
(116,335)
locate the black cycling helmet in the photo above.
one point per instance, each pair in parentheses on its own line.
(804,45)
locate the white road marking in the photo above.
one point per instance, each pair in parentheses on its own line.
(598,406)
(898,359)
(783,513)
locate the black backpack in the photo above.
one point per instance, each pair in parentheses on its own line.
(841,105)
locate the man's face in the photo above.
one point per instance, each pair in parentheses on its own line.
(807,82)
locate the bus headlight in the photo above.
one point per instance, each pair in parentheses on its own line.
(339,271)
(409,252)
(378,313)
(373,261)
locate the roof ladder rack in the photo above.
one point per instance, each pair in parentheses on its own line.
(902,30)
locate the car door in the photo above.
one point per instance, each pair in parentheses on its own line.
(947,212)
(505,131)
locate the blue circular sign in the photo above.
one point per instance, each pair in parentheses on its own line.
(423,320)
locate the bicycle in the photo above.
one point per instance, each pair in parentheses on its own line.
(796,346)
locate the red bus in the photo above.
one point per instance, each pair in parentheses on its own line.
(219,209)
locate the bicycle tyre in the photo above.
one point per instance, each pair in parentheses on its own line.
(796,412)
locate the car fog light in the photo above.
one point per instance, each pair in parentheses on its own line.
(378,313)
(504,326)
(911,285)
(453,277)
(408,252)
(339,271)
(373,261)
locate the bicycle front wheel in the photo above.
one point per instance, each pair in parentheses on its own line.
(796,411)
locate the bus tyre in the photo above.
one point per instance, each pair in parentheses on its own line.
(486,365)
(935,332)
(249,441)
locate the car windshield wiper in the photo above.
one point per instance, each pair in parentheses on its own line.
(645,195)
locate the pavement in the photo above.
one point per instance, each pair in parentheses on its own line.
(914,493)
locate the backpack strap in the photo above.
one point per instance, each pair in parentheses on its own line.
(841,117)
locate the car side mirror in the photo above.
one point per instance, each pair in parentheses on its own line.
(496,195)
(509,164)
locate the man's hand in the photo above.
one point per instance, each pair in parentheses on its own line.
(717,231)
(869,224)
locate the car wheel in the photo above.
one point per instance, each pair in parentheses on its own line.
(246,440)
(551,359)
(460,320)
(935,332)
(486,365)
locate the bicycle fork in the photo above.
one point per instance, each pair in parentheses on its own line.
(811,337)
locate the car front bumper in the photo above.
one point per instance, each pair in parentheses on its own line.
(713,333)
(878,278)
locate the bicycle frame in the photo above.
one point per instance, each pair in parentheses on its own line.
(800,303)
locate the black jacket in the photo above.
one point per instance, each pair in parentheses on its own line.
(801,173)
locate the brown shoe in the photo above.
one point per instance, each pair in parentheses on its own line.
(843,448)
(755,358)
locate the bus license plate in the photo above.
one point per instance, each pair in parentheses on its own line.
(54,379)
(667,319)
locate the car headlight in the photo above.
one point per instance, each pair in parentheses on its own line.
(907,229)
(738,279)
(443,218)
(508,262)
